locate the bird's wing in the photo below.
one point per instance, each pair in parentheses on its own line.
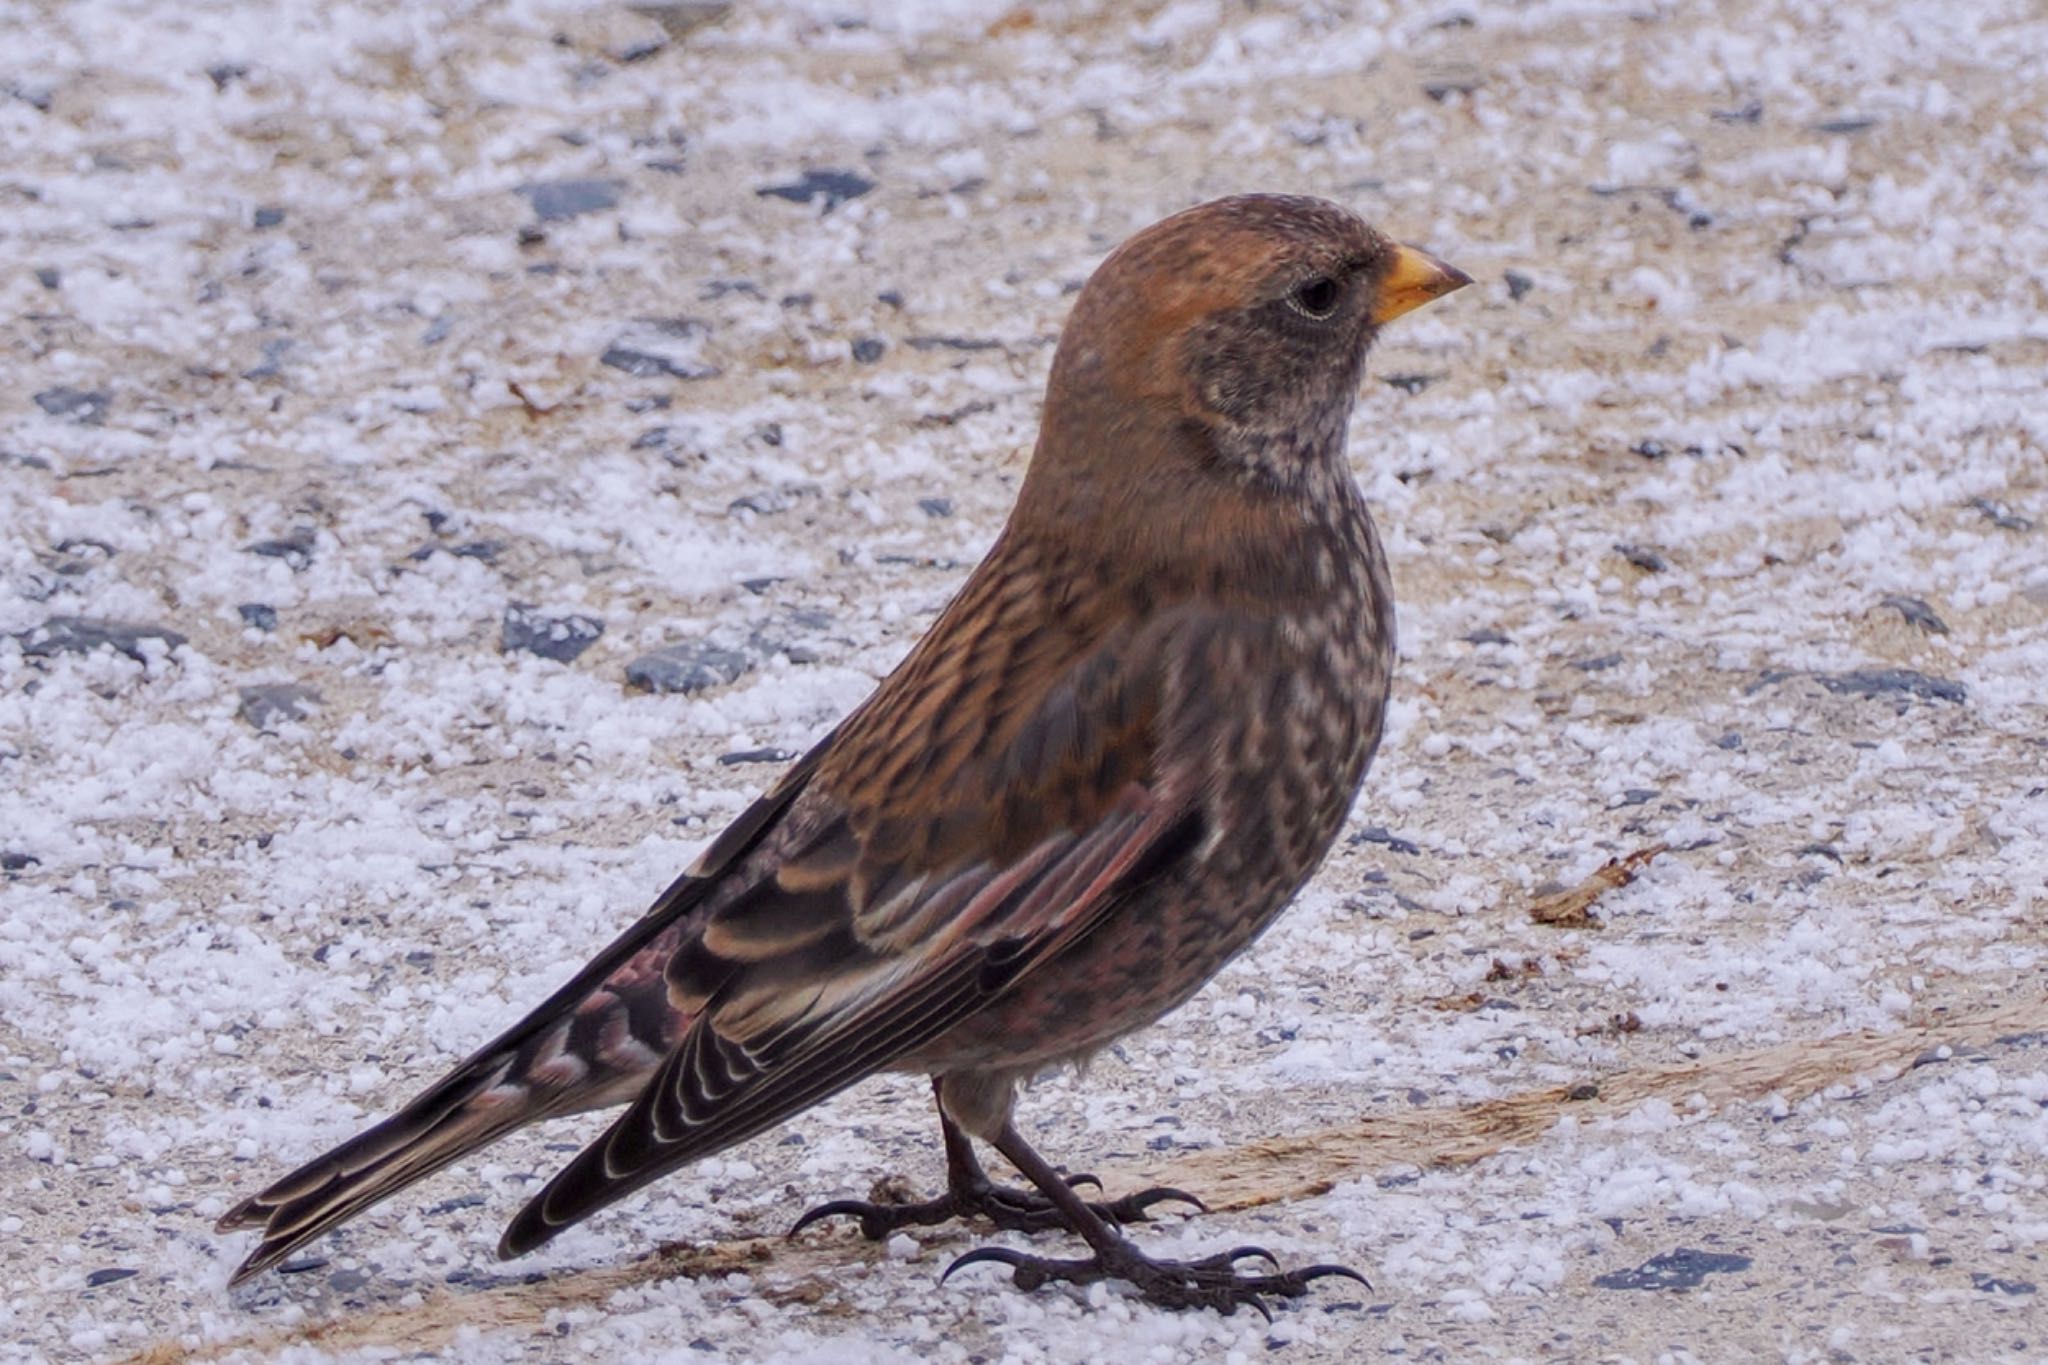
(607,1028)
(902,918)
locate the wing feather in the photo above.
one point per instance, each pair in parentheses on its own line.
(605,1029)
(721,1086)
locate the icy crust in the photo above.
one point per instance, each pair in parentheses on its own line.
(450,457)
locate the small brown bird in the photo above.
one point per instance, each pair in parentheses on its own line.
(1118,753)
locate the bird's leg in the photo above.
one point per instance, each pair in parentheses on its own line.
(969,1192)
(1212,1282)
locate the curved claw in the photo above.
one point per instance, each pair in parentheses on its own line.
(1158,1194)
(854,1207)
(1075,1182)
(999,1255)
(1236,1254)
(1317,1272)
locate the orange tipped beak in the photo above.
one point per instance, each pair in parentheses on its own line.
(1416,278)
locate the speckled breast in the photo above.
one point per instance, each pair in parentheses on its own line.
(1289,753)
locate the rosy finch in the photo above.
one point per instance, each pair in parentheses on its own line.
(1114,758)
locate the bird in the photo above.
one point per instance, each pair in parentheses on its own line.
(1116,755)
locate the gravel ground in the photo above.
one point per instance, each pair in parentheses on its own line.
(449,455)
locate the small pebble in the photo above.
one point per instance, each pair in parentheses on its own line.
(686,668)
(561,638)
(556,200)
(87,407)
(82,635)
(834,187)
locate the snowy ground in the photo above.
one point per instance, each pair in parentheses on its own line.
(1719,515)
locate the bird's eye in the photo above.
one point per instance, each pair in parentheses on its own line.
(1317,297)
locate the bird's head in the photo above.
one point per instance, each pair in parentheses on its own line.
(1233,336)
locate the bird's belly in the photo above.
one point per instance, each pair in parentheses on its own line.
(1129,974)
(1151,955)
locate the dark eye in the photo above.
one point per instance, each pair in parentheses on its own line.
(1317,297)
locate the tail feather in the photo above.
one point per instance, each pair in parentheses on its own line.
(590,1045)
(409,1146)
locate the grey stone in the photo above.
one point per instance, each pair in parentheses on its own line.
(1991,1284)
(295,549)
(1916,612)
(87,407)
(1884,682)
(456,1204)
(2003,518)
(554,201)
(1378,834)
(1684,1268)
(660,346)
(1409,383)
(679,17)
(259,614)
(1643,557)
(486,550)
(954,343)
(561,638)
(687,667)
(265,704)
(272,364)
(834,187)
(83,634)
(741,756)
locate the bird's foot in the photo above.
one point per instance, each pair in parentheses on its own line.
(1212,1282)
(1009,1208)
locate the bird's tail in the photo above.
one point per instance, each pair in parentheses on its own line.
(590,1045)
(456,1117)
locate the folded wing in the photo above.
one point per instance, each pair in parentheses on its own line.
(914,906)
(591,1044)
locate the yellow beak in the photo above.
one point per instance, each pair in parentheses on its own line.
(1416,278)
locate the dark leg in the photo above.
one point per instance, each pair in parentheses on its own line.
(1212,1282)
(969,1191)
